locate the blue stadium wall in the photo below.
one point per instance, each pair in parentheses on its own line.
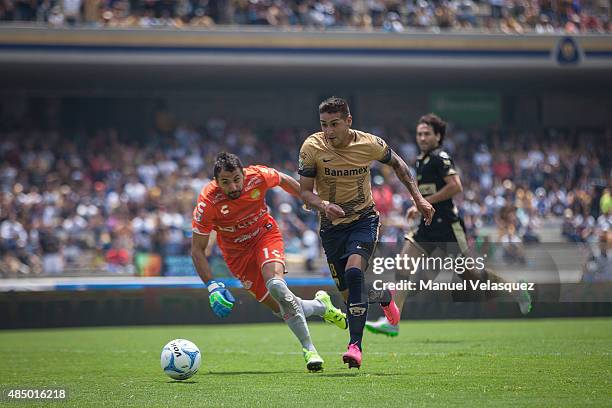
(104,305)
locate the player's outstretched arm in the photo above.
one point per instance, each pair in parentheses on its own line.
(212,239)
(403,174)
(290,185)
(312,200)
(199,244)
(221,300)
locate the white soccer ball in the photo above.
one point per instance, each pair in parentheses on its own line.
(180,359)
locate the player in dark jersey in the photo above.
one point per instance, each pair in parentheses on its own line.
(438,182)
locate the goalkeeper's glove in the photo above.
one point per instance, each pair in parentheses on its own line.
(220,298)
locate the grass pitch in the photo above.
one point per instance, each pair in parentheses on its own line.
(561,362)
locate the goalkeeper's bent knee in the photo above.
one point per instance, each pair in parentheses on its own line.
(287,301)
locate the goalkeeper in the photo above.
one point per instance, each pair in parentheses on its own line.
(233,205)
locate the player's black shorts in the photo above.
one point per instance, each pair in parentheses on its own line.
(448,236)
(341,241)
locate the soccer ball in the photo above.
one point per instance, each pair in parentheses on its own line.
(180,359)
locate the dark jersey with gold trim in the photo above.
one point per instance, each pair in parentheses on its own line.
(431,169)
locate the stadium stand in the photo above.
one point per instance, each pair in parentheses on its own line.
(506,16)
(95,202)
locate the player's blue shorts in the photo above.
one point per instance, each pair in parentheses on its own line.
(341,241)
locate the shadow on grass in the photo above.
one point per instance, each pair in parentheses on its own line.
(435,341)
(358,374)
(319,374)
(250,372)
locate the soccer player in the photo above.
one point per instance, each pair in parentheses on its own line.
(233,205)
(439,182)
(336,161)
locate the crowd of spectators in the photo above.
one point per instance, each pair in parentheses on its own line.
(93,200)
(508,16)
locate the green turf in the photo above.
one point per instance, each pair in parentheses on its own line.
(562,362)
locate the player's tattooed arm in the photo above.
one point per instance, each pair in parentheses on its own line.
(403,174)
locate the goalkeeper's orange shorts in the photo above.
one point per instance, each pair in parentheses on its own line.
(246,265)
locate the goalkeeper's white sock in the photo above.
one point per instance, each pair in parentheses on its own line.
(312,307)
(292,311)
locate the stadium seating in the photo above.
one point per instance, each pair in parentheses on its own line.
(86,206)
(512,17)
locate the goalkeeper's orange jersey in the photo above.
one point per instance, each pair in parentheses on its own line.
(241,221)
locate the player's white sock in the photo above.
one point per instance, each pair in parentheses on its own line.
(292,311)
(312,307)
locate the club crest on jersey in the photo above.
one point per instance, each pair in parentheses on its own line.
(255,194)
(253,182)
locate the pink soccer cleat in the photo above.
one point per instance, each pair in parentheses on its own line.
(353,356)
(392,312)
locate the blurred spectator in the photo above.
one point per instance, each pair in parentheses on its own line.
(512,246)
(12,233)
(52,251)
(599,265)
(311,249)
(605,204)
(511,243)
(72,11)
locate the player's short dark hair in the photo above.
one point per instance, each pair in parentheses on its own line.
(436,123)
(226,162)
(335,105)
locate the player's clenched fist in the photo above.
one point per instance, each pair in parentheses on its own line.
(333,211)
(221,300)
